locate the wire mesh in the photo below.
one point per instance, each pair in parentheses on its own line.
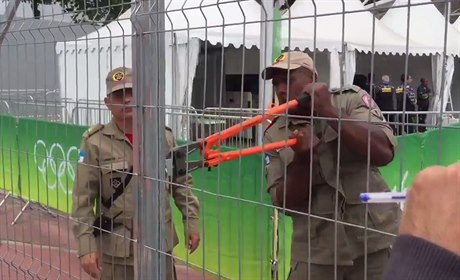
(196,70)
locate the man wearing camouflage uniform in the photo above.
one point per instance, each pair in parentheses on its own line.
(321,248)
(104,190)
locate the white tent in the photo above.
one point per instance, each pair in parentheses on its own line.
(457,26)
(326,21)
(84,63)
(428,25)
(206,19)
(193,20)
(361,31)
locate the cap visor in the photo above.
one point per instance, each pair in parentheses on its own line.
(120,86)
(268,73)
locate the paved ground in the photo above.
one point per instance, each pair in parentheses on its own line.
(40,246)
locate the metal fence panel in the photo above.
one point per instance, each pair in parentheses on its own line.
(196,71)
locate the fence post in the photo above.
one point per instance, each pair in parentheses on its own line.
(149,131)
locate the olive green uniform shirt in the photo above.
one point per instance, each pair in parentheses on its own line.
(319,235)
(108,156)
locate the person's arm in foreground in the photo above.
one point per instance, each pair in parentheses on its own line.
(428,244)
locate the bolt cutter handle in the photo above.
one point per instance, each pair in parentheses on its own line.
(178,166)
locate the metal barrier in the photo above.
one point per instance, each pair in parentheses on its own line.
(89,112)
(203,54)
(197,124)
(193,124)
(28,107)
(416,121)
(212,120)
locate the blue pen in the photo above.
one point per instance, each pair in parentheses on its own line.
(383,197)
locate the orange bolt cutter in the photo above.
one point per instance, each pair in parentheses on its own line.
(176,160)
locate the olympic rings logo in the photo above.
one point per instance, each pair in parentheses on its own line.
(55,166)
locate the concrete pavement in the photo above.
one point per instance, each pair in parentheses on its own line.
(41,246)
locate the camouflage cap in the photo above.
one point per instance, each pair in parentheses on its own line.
(119,78)
(289,60)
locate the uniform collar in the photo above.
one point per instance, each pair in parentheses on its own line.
(112,129)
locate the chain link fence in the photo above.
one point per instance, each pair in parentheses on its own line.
(196,72)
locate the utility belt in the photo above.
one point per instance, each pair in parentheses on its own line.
(104,224)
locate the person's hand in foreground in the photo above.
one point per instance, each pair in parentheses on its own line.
(432,209)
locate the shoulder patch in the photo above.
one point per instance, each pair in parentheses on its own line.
(81,156)
(368,101)
(92,130)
